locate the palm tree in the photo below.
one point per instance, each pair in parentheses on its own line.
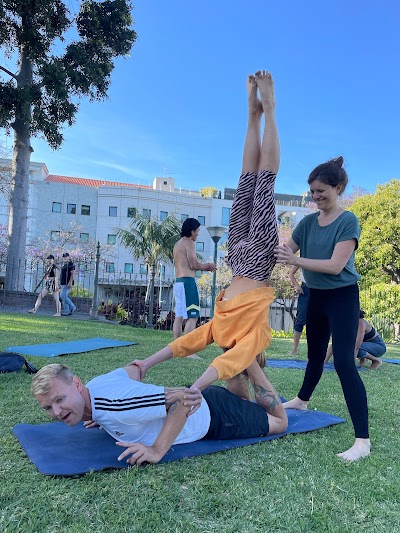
(154,242)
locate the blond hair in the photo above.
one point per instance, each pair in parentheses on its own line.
(41,383)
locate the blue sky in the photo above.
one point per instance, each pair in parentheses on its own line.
(177,105)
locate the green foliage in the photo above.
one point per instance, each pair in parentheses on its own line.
(43,94)
(381,303)
(209,192)
(149,239)
(80,292)
(378,255)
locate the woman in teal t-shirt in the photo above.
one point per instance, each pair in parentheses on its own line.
(327,241)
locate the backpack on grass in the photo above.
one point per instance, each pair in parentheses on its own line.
(13,362)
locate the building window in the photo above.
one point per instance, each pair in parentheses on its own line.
(56,207)
(71,209)
(131,212)
(162,270)
(54,235)
(110,267)
(146,213)
(163,215)
(84,237)
(184,217)
(85,210)
(143,269)
(111,239)
(202,220)
(112,211)
(128,268)
(199,246)
(226,214)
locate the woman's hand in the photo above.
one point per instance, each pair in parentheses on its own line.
(284,254)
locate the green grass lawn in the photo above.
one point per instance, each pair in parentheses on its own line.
(293,484)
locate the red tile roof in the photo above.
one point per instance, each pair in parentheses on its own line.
(92,183)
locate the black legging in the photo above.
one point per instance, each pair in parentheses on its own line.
(336,312)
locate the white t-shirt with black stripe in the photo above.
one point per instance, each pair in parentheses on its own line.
(131,411)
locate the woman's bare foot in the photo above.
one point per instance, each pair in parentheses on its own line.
(375,364)
(57,314)
(255,106)
(296,403)
(361,448)
(265,85)
(361,362)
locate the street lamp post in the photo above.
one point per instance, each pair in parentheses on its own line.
(216,233)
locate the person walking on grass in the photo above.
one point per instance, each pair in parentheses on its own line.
(241,315)
(187,303)
(66,282)
(51,286)
(327,241)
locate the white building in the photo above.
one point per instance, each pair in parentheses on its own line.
(98,207)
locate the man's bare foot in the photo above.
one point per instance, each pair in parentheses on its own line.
(265,85)
(255,106)
(375,364)
(296,403)
(194,356)
(361,448)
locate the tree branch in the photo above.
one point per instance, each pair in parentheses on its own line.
(8,72)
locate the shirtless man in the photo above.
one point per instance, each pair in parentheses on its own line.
(187,304)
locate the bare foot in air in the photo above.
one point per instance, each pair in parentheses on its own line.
(265,85)
(296,403)
(255,106)
(361,448)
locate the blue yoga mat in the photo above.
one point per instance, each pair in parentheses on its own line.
(58,450)
(299,364)
(394,361)
(63,348)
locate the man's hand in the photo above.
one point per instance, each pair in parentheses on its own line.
(299,290)
(192,397)
(91,424)
(212,267)
(140,453)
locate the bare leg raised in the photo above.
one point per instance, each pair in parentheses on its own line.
(252,144)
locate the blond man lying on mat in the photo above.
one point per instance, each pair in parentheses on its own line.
(146,420)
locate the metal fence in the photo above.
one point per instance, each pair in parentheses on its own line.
(123,296)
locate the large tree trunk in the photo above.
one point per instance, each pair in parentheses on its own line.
(19,197)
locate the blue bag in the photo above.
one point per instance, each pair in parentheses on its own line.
(13,362)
